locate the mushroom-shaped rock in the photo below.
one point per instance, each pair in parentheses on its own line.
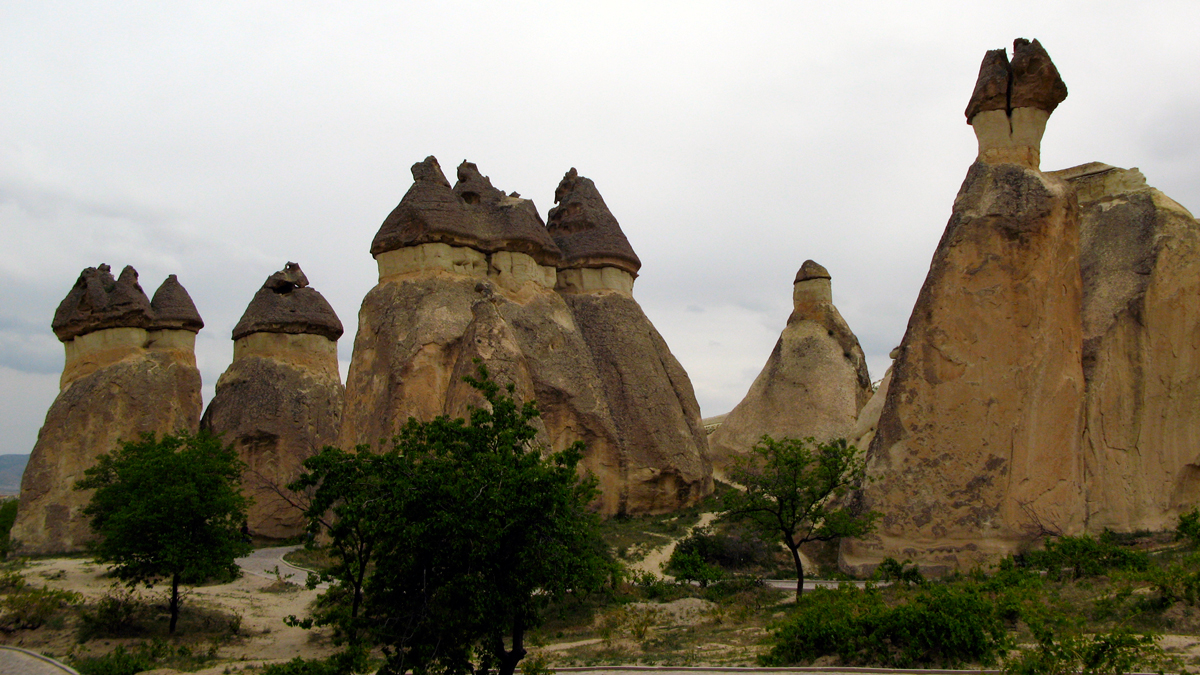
(98,301)
(130,369)
(285,304)
(173,308)
(976,449)
(473,214)
(814,383)
(281,399)
(585,230)
(1012,102)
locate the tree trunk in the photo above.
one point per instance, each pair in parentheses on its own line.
(510,659)
(174,607)
(795,549)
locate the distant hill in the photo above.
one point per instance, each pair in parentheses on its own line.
(11,468)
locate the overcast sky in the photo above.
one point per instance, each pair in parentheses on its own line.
(218,140)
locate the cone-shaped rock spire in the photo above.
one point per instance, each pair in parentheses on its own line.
(585,230)
(173,308)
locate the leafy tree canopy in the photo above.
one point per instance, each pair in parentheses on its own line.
(793,490)
(459,536)
(167,507)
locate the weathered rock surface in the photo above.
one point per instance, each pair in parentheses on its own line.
(813,384)
(129,371)
(1140,265)
(470,273)
(281,399)
(977,447)
(650,395)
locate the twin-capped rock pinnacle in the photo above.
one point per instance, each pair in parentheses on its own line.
(1012,102)
(130,369)
(470,273)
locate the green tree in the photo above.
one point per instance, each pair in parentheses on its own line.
(167,508)
(792,489)
(471,533)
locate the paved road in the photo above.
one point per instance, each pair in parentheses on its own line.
(17,661)
(263,562)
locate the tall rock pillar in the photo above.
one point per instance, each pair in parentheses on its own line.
(665,451)
(813,384)
(977,447)
(280,401)
(130,370)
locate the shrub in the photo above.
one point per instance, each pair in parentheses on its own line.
(899,572)
(732,550)
(937,625)
(8,516)
(690,566)
(116,614)
(1189,527)
(143,656)
(1084,556)
(31,608)
(349,661)
(1115,653)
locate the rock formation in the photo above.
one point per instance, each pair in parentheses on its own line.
(813,384)
(130,370)
(470,273)
(976,451)
(868,418)
(1140,265)
(666,462)
(280,401)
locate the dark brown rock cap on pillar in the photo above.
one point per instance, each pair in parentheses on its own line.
(1029,81)
(173,308)
(285,304)
(98,301)
(811,270)
(473,214)
(585,230)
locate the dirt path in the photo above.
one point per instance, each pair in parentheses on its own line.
(655,559)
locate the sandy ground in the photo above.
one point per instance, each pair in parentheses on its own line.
(265,637)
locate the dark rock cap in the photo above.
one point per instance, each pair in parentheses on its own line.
(585,230)
(285,304)
(173,308)
(1029,81)
(97,301)
(811,270)
(473,213)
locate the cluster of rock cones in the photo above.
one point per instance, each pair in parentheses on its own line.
(1046,384)
(467,275)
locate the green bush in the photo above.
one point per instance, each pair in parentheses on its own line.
(690,566)
(31,608)
(899,572)
(732,548)
(1084,556)
(118,613)
(1115,653)
(8,516)
(1189,527)
(936,625)
(344,663)
(143,656)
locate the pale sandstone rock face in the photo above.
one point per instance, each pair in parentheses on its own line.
(281,399)
(128,372)
(665,449)
(1140,265)
(813,384)
(473,283)
(976,451)
(977,448)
